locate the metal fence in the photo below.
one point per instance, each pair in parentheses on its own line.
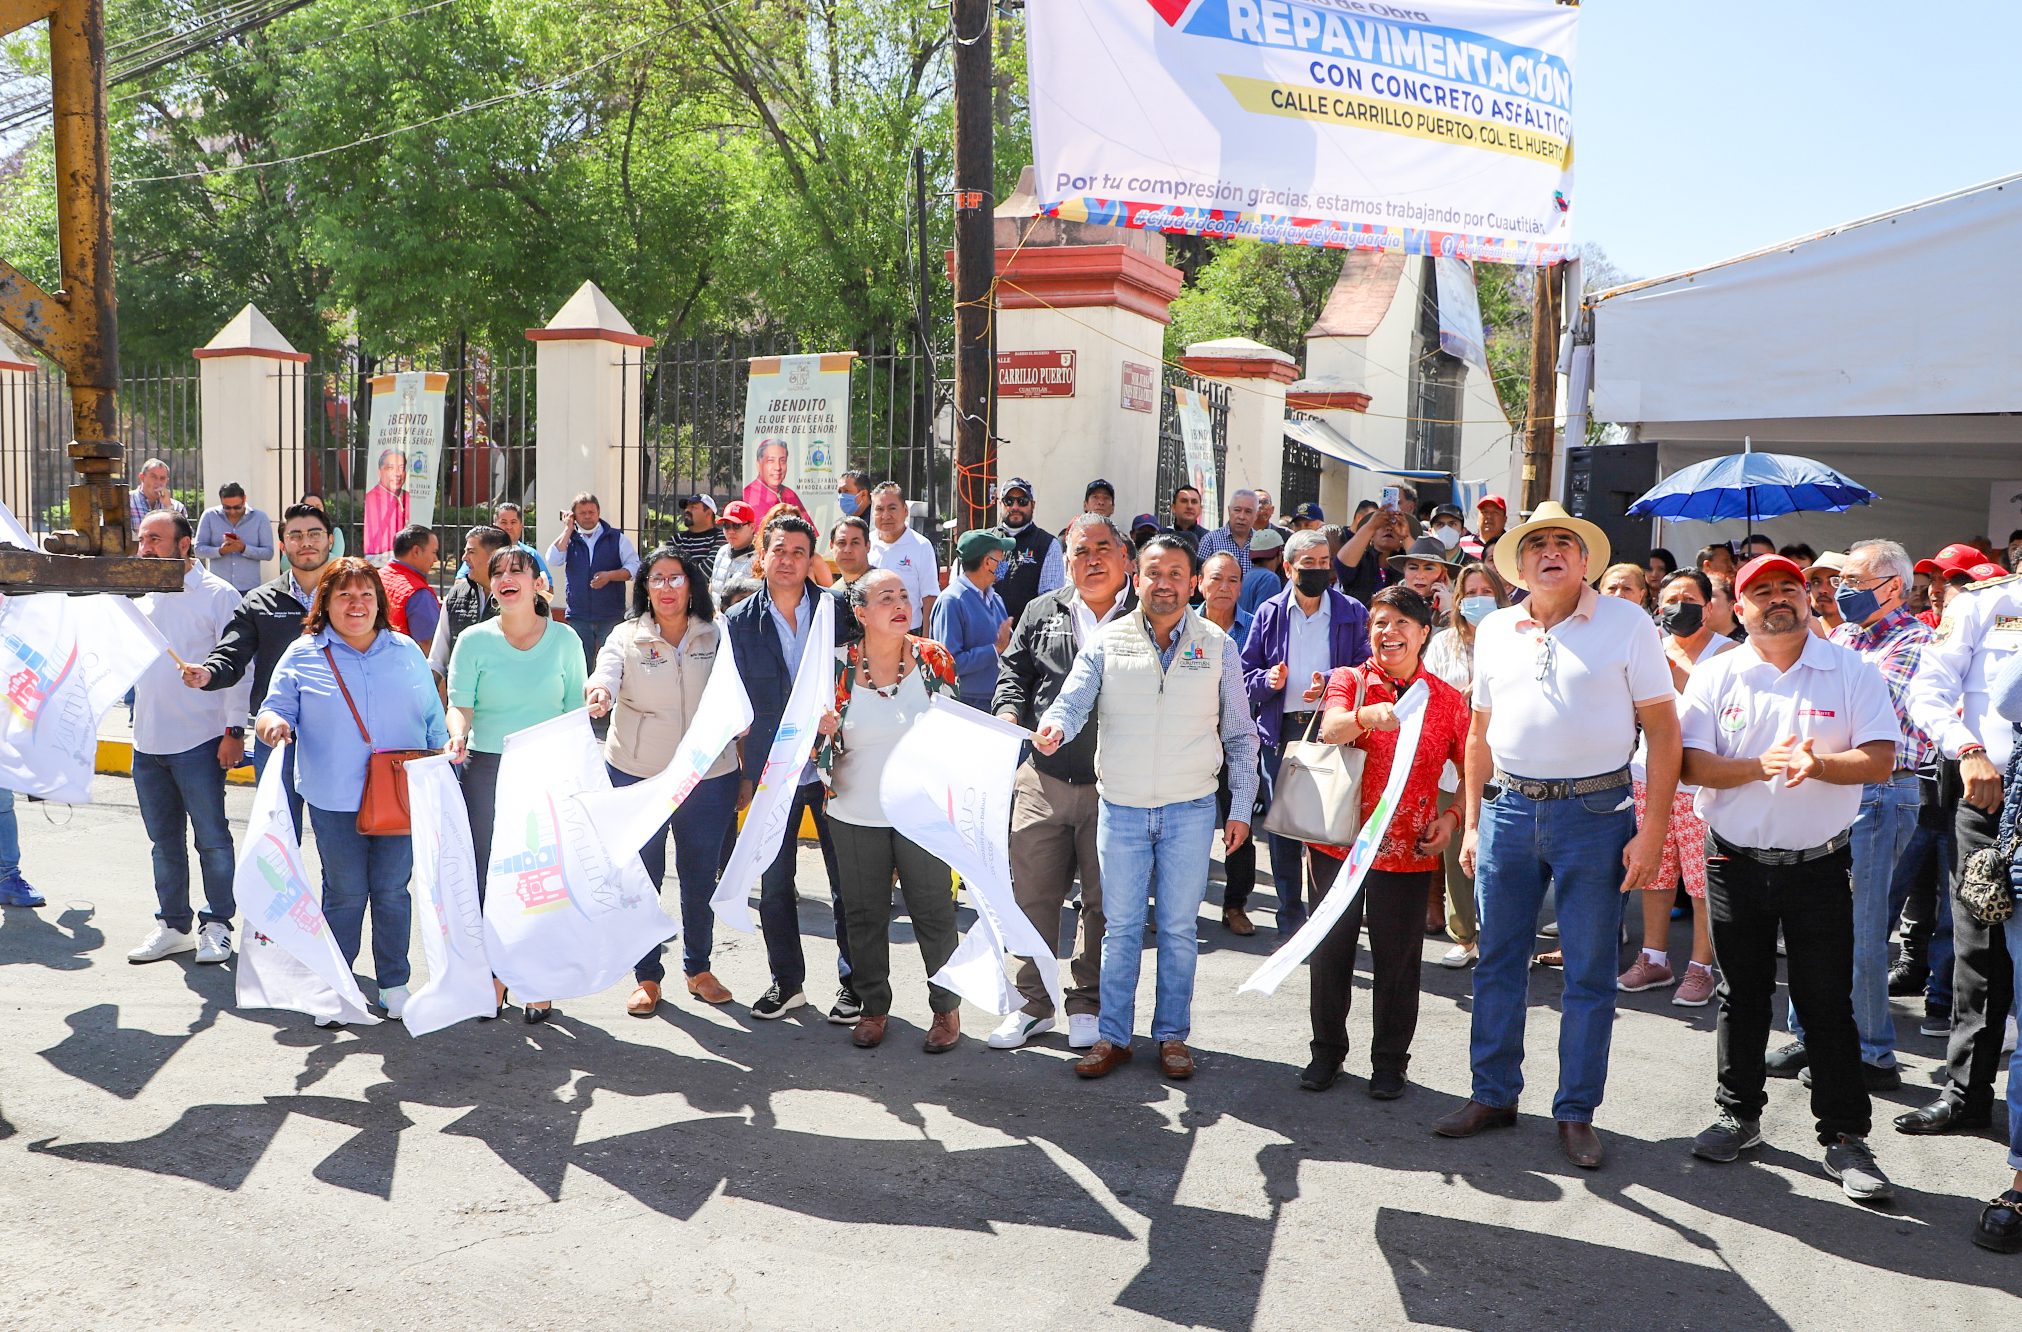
(159,417)
(691,434)
(487,449)
(1172,450)
(1299,482)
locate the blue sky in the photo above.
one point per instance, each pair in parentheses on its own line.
(1712,128)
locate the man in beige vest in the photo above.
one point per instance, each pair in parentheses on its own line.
(1172,712)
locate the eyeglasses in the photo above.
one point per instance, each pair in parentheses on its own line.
(667,580)
(1858,584)
(1546,653)
(1022,501)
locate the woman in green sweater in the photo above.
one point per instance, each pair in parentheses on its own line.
(505,675)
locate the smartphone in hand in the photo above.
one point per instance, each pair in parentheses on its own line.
(1391,498)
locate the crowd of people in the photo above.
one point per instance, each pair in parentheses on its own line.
(1804,753)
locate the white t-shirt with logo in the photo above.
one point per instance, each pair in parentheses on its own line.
(1562,701)
(1738,706)
(912,558)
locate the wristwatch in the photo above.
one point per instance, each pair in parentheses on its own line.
(236,732)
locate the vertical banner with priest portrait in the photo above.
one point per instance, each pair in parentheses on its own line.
(796,434)
(404,452)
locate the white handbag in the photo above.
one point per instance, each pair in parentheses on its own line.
(1318,795)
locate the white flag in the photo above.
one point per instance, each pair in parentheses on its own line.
(447,915)
(947,786)
(287,958)
(64,661)
(1348,882)
(765,821)
(561,917)
(627,816)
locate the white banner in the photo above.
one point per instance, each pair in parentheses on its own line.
(561,917)
(628,816)
(1348,883)
(64,661)
(1444,127)
(406,453)
(1197,436)
(947,786)
(287,958)
(797,434)
(1460,329)
(447,913)
(765,821)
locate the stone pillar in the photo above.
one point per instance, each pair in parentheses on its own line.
(17,460)
(1104,294)
(1256,377)
(244,376)
(589,366)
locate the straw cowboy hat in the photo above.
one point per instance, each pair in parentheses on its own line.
(1551,514)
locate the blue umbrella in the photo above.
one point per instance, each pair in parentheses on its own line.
(1750,485)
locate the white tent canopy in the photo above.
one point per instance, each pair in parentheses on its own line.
(1889,348)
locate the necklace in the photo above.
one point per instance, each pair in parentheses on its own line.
(864,673)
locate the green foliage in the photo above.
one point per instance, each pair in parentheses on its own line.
(1252,289)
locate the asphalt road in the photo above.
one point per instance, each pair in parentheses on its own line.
(169,1160)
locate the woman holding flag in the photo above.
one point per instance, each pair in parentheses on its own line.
(1361,710)
(506,674)
(649,680)
(348,686)
(883,682)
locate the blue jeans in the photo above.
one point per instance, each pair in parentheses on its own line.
(1288,855)
(2014,928)
(1164,850)
(593,633)
(1929,852)
(1575,845)
(360,870)
(779,901)
(179,792)
(10,835)
(1881,834)
(698,832)
(261,750)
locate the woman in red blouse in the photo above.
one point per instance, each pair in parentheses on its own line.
(1407,860)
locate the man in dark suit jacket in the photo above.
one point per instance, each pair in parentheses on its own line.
(769,635)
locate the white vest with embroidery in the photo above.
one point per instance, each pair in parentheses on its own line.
(1160,741)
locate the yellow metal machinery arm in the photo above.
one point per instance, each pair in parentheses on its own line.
(77,325)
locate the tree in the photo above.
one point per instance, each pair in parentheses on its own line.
(1253,289)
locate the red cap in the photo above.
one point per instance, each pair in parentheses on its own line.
(1496,500)
(1985,570)
(1953,559)
(1766,564)
(737,511)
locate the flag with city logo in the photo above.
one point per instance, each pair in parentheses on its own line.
(563,917)
(287,958)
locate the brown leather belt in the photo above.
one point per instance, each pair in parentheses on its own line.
(1562,788)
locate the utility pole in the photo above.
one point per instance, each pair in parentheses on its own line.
(975,264)
(1547,299)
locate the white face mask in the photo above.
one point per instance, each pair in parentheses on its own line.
(1447,536)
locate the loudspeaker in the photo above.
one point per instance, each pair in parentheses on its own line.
(1601,484)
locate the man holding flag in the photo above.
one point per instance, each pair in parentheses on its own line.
(769,633)
(1173,712)
(184,741)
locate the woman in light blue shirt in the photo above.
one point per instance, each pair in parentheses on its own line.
(347,646)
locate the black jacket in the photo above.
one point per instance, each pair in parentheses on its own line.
(754,646)
(268,619)
(1035,666)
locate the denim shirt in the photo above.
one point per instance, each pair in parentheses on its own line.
(395,693)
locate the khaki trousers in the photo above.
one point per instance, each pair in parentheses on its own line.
(1053,837)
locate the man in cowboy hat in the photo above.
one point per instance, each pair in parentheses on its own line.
(1561,683)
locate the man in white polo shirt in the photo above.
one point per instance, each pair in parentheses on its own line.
(1561,683)
(1780,736)
(905,552)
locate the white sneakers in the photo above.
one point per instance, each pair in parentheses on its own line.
(1081,1031)
(393,998)
(1460,955)
(164,942)
(214,942)
(1017,1029)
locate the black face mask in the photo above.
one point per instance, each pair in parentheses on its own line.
(1682,619)
(1313,582)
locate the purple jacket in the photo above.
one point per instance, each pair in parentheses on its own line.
(1270,638)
